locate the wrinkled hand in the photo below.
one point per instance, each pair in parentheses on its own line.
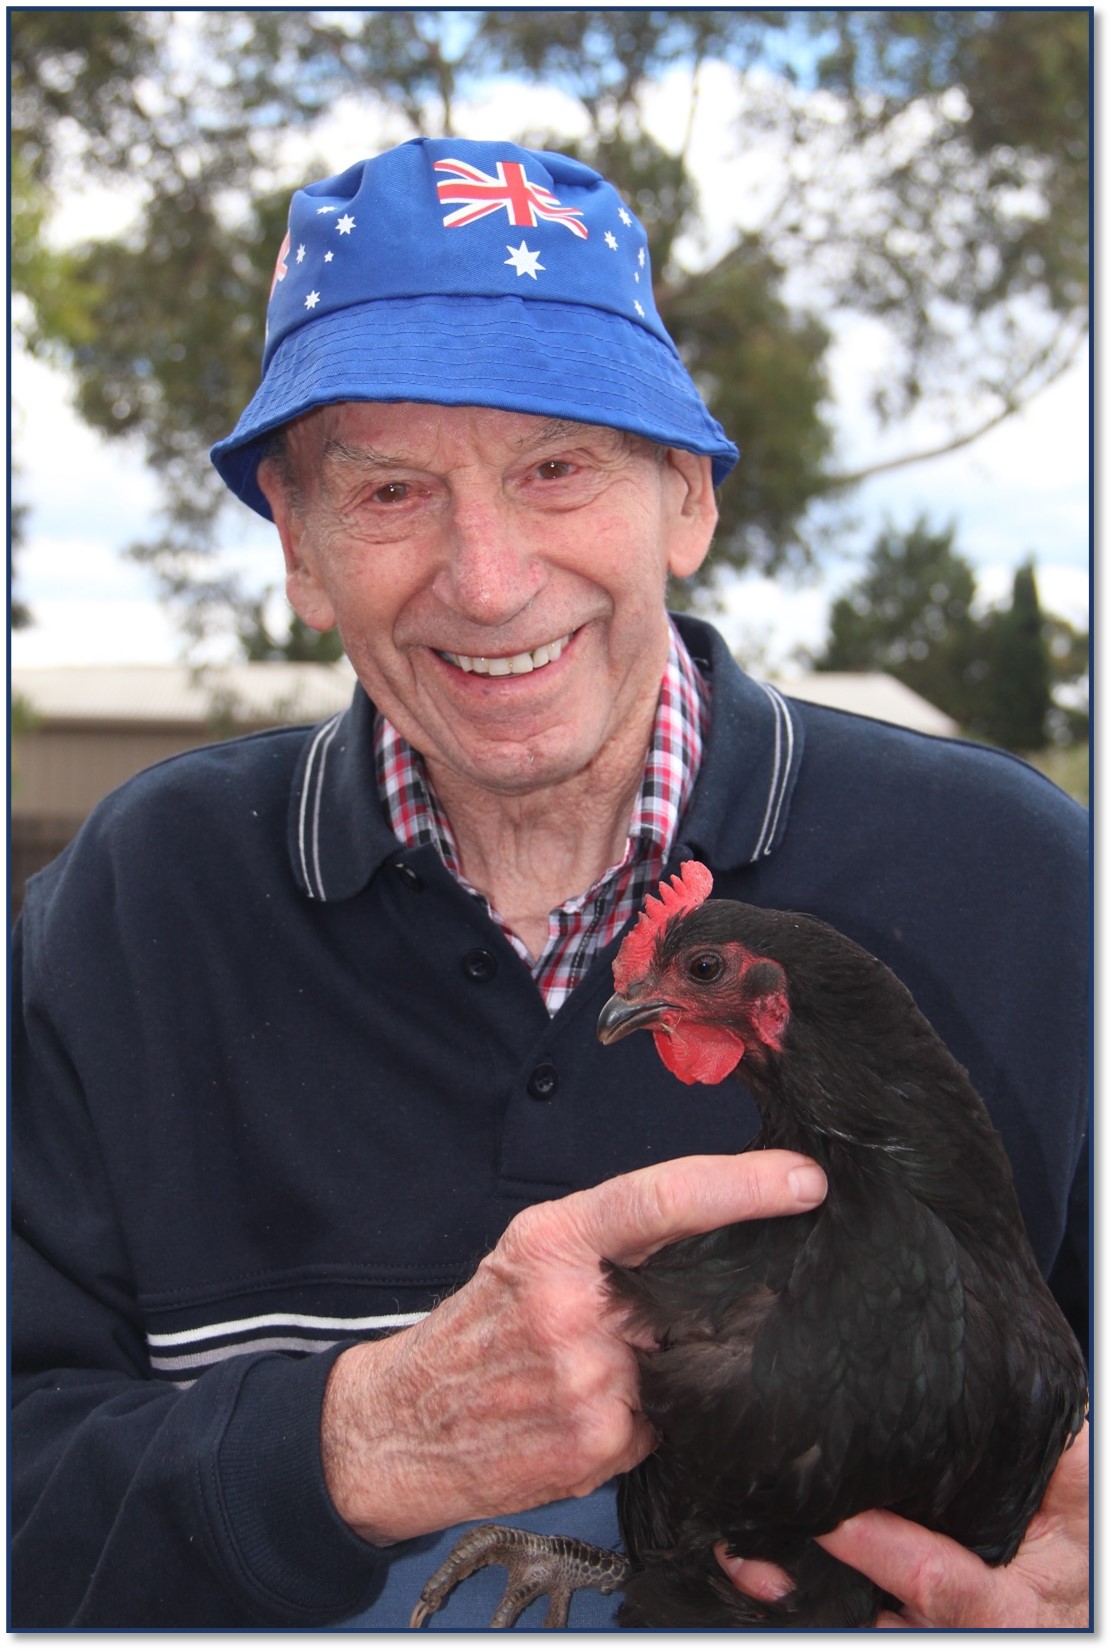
(521,1388)
(944,1586)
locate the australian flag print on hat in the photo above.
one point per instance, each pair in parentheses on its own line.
(468,274)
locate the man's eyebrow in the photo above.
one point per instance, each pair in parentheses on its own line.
(550,432)
(336,448)
(553,430)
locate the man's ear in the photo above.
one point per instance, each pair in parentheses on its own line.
(696,512)
(304,590)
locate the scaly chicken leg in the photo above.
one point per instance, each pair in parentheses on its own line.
(536,1565)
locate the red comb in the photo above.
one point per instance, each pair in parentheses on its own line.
(677,896)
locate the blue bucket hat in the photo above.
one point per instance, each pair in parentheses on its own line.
(468,274)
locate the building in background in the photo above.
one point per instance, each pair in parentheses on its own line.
(870,694)
(80,731)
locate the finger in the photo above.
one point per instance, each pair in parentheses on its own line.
(759,1579)
(631,1216)
(938,1582)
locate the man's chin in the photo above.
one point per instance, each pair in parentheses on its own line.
(510,769)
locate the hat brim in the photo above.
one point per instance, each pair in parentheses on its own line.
(564,361)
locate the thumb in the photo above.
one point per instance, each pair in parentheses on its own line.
(628,1218)
(941,1585)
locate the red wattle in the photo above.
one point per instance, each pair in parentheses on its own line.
(699,1054)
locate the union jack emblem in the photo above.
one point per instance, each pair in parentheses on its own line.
(479,193)
(281,269)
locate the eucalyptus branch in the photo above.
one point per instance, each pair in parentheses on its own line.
(1012,403)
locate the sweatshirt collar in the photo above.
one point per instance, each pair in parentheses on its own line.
(742,801)
(339,837)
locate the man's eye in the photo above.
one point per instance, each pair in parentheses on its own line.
(391,493)
(553,469)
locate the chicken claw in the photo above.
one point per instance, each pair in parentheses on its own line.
(536,1565)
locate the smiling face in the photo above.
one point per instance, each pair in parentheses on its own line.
(497,578)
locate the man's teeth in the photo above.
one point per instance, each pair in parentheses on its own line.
(510,665)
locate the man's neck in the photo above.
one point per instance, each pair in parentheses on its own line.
(529,852)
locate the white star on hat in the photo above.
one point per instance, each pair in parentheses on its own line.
(524,261)
(300,254)
(346,224)
(611,242)
(625,216)
(638,307)
(312,300)
(325,209)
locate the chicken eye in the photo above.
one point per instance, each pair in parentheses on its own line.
(705,966)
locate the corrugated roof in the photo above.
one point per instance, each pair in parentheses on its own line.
(870,694)
(264,692)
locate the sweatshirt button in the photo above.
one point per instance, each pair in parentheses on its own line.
(543,1082)
(480,965)
(413,880)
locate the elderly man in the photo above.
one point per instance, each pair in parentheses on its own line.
(316,1152)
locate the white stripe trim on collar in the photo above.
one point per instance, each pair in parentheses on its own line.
(782,767)
(321,742)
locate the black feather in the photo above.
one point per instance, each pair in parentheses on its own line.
(896,1348)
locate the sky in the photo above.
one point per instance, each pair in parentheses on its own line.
(1021,491)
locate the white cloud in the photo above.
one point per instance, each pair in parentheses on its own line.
(89,605)
(766,621)
(104,631)
(89,498)
(1062,591)
(1020,491)
(73,479)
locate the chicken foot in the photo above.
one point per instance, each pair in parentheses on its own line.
(536,1565)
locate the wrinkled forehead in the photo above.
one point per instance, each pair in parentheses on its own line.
(422,433)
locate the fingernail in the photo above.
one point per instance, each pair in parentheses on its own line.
(808,1184)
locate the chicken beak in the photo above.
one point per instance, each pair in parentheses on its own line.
(619,1017)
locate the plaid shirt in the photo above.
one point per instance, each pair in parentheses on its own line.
(580,926)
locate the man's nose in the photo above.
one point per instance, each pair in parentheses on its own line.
(487,573)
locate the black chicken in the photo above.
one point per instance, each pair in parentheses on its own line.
(895,1348)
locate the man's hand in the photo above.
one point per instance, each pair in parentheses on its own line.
(944,1586)
(521,1388)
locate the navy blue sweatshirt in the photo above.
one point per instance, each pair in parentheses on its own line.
(279,1084)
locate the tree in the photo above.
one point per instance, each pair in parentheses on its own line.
(1018,700)
(927,169)
(911,614)
(300,643)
